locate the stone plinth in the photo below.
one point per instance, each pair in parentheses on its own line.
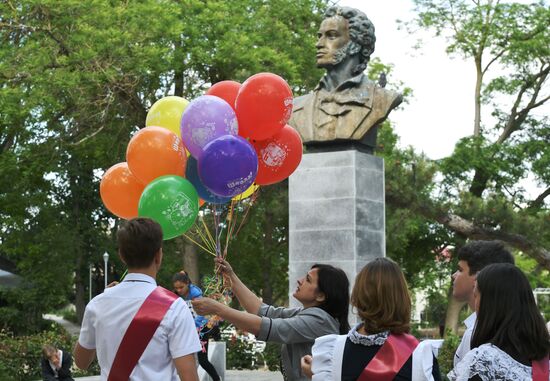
(336,213)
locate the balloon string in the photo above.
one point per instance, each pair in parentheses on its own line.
(212,242)
(217,227)
(205,239)
(199,245)
(123,275)
(251,202)
(231,217)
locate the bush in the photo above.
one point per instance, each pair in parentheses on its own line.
(272,356)
(241,353)
(447,352)
(20,355)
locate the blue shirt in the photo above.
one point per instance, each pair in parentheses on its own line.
(195,292)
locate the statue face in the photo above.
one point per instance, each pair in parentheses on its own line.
(333,41)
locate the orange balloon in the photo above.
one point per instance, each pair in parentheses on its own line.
(120,191)
(154,152)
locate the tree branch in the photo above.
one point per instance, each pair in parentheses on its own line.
(540,199)
(469,229)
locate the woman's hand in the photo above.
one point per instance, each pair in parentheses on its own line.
(305,362)
(206,306)
(225,267)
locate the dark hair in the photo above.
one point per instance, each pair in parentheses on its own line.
(382,298)
(361,33)
(181,277)
(334,283)
(479,254)
(508,316)
(139,239)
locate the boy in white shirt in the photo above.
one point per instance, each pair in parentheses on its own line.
(170,351)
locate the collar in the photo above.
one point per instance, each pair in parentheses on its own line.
(368,340)
(139,277)
(351,82)
(470,320)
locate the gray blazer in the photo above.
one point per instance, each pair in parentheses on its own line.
(296,329)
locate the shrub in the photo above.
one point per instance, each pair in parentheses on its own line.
(447,352)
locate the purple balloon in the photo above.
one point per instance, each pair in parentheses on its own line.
(228,165)
(205,119)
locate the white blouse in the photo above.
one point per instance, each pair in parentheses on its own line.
(328,354)
(489,362)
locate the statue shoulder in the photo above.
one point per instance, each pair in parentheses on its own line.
(300,102)
(388,98)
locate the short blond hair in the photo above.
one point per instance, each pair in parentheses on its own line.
(48,351)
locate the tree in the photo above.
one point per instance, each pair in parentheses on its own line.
(480,196)
(77,79)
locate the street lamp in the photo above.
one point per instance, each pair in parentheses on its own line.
(106,260)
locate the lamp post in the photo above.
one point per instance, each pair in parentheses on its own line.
(106,260)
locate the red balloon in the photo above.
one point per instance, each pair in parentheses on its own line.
(226,90)
(120,191)
(264,105)
(278,156)
(154,152)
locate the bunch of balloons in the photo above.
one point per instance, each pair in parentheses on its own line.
(218,148)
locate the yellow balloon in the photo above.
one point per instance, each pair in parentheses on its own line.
(247,193)
(166,112)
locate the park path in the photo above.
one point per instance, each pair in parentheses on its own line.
(230,375)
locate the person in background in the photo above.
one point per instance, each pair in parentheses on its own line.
(380,343)
(324,295)
(56,364)
(472,258)
(510,340)
(188,291)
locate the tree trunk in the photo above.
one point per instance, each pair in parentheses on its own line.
(453,312)
(189,258)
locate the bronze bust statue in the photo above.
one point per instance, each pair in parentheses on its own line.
(345,107)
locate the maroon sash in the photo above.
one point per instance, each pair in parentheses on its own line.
(540,369)
(139,333)
(390,358)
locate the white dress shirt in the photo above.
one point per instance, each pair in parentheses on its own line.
(464,346)
(108,315)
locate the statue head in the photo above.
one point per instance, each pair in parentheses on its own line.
(345,33)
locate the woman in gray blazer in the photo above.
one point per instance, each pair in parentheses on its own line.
(324,295)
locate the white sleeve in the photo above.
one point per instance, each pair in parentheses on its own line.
(422,360)
(327,357)
(183,338)
(86,338)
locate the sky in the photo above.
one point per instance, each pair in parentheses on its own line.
(442,107)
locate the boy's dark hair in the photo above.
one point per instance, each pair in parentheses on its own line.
(479,254)
(508,316)
(139,239)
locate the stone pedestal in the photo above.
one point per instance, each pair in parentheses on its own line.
(336,213)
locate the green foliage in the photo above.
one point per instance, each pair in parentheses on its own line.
(240,353)
(77,79)
(272,356)
(20,355)
(446,354)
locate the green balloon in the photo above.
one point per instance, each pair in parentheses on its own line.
(173,202)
